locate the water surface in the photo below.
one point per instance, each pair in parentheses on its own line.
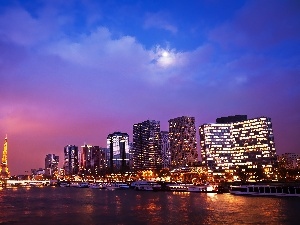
(50,205)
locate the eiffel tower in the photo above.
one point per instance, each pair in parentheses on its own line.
(4,168)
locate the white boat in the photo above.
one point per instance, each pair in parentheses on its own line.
(135,183)
(196,189)
(83,185)
(74,184)
(202,188)
(179,187)
(94,186)
(143,187)
(117,186)
(155,186)
(265,190)
(112,186)
(102,186)
(35,184)
(123,186)
(64,184)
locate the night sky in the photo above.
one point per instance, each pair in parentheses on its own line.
(74,71)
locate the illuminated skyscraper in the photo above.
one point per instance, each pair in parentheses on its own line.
(91,159)
(289,160)
(4,167)
(216,146)
(238,143)
(71,160)
(51,164)
(165,149)
(183,144)
(146,145)
(118,145)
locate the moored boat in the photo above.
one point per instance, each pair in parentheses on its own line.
(94,186)
(64,184)
(123,186)
(143,187)
(266,190)
(112,187)
(179,187)
(83,185)
(74,184)
(146,186)
(197,189)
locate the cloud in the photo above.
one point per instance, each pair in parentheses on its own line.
(99,50)
(159,20)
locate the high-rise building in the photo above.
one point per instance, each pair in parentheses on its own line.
(165,149)
(289,160)
(231,119)
(130,155)
(4,167)
(71,160)
(91,160)
(51,164)
(183,143)
(38,172)
(146,145)
(238,143)
(216,146)
(118,145)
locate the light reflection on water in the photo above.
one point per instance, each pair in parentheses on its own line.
(93,206)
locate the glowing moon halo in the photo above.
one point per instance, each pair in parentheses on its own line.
(165,54)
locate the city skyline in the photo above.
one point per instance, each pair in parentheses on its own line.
(74,72)
(80,147)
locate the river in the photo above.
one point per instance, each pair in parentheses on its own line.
(55,205)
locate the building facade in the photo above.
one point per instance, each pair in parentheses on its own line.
(91,160)
(38,172)
(71,160)
(289,160)
(183,143)
(216,146)
(51,165)
(240,143)
(118,145)
(130,155)
(165,149)
(146,150)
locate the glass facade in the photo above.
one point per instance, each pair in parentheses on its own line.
(118,156)
(71,160)
(228,146)
(51,164)
(216,146)
(91,160)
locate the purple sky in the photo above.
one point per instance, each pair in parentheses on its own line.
(74,72)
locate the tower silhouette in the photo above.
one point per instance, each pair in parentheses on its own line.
(4,167)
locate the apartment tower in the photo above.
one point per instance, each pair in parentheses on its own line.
(183,143)
(146,145)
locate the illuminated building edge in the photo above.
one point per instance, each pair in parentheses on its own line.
(226,147)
